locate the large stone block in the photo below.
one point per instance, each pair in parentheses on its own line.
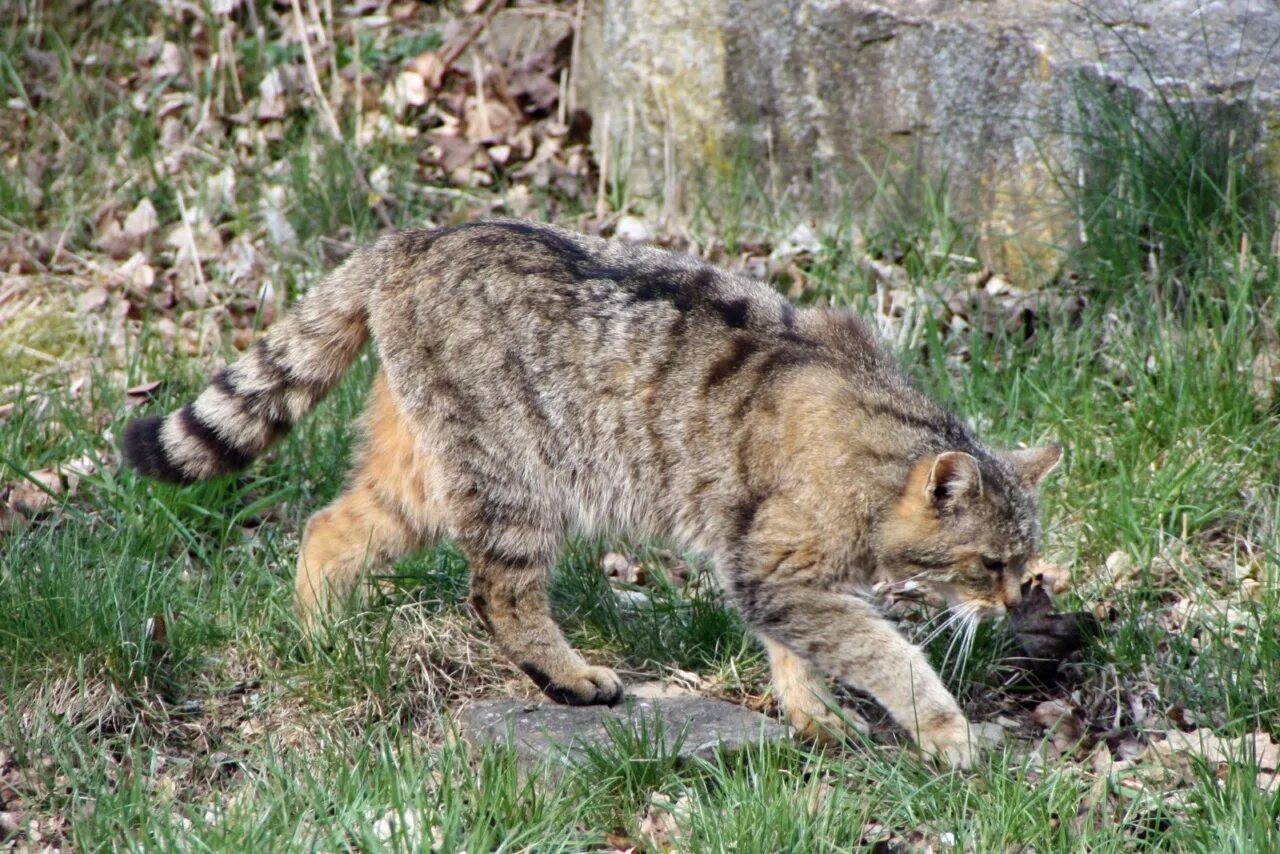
(830,96)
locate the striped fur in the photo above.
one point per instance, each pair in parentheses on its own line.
(536,382)
(253,403)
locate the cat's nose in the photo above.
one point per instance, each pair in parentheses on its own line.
(1012,593)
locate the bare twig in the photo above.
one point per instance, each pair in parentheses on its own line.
(190,234)
(575,56)
(359,63)
(602,187)
(451,54)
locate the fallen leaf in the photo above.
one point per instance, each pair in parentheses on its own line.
(141,221)
(429,67)
(658,827)
(35,493)
(1052,714)
(409,89)
(632,229)
(1178,748)
(144,390)
(271,93)
(92,300)
(169,63)
(986,735)
(112,240)
(1062,722)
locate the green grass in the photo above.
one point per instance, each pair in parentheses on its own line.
(228,733)
(1168,192)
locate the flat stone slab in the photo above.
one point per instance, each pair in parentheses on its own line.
(689,727)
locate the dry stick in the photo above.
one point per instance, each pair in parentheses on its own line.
(314,10)
(562,106)
(335,79)
(482,110)
(602,198)
(190,234)
(230,51)
(575,56)
(669,207)
(332,123)
(355,44)
(450,56)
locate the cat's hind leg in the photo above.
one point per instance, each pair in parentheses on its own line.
(391,506)
(512,546)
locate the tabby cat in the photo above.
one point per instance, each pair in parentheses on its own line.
(535,382)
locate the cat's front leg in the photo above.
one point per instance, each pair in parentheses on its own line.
(805,700)
(841,635)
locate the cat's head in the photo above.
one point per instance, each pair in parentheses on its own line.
(966,526)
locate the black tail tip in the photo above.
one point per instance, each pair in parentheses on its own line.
(144,450)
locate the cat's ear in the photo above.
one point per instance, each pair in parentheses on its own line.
(1032,465)
(954,479)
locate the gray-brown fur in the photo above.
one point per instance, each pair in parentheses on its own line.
(538,382)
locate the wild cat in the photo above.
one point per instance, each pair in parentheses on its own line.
(535,382)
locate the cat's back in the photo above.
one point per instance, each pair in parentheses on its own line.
(507,304)
(624,374)
(496,271)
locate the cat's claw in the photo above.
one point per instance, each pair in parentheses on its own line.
(588,686)
(950,746)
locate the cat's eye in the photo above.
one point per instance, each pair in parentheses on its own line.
(993,564)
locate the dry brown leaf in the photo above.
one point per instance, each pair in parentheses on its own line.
(409,89)
(169,63)
(1062,722)
(202,236)
(136,275)
(112,240)
(94,299)
(1052,713)
(429,67)
(141,221)
(1054,578)
(35,493)
(144,390)
(1179,749)
(487,120)
(659,828)
(633,229)
(499,154)
(72,472)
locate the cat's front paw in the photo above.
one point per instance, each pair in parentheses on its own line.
(949,743)
(586,685)
(824,727)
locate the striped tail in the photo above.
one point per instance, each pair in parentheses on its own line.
(253,403)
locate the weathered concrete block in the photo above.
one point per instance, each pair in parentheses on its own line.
(688,726)
(983,93)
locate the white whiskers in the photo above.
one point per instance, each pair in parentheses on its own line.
(948,617)
(963,619)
